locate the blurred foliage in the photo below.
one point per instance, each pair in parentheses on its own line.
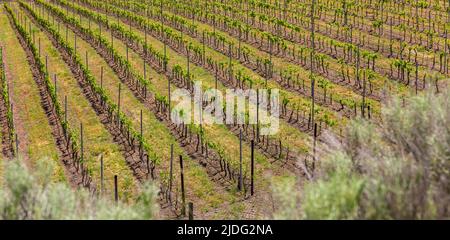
(33,195)
(398,169)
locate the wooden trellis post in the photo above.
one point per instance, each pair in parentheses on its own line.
(81,142)
(39,46)
(215,85)
(142,136)
(203,46)
(191,210)
(56,90)
(142,131)
(87,61)
(417,73)
(145,30)
(148,167)
(101,77)
(17,146)
(313,48)
(164,38)
(145,70)
(102,186)
(116,190)
(170,99)
(112,40)
(252,167)
(240,184)
(171,171)
(12,110)
(188,65)
(314,146)
(230,64)
(183,197)
(129,23)
(257,115)
(65,109)
(118,104)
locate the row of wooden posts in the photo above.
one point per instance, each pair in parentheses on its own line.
(183,192)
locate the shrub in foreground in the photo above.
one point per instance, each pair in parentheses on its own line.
(33,195)
(399,169)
